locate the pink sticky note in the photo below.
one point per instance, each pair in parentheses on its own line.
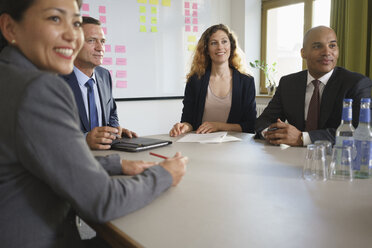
(187,5)
(187,28)
(85,7)
(120,49)
(108,48)
(187,12)
(121,74)
(121,84)
(195,6)
(102,19)
(187,20)
(104,30)
(86,15)
(121,61)
(195,13)
(195,29)
(107,61)
(194,20)
(102,9)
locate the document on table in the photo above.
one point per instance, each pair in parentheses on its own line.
(217,137)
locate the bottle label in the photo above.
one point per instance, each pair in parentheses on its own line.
(365,115)
(347,114)
(363,156)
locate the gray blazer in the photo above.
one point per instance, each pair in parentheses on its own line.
(46,167)
(104,85)
(288,103)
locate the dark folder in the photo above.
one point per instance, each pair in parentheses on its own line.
(138,144)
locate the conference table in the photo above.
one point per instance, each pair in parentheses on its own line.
(245,194)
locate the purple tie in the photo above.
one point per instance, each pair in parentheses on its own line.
(314,108)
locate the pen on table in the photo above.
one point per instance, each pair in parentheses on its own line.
(158,155)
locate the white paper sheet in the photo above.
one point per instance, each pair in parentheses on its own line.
(217,137)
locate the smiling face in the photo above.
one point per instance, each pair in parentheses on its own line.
(91,55)
(219,47)
(320,51)
(50,35)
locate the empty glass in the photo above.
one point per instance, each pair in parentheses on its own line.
(328,150)
(341,167)
(315,164)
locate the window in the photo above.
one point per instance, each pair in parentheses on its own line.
(283,26)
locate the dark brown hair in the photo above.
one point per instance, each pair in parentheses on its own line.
(16,10)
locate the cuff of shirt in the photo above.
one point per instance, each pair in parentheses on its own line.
(306,138)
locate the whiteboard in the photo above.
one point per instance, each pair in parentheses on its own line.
(149,43)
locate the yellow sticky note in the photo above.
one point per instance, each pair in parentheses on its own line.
(154,29)
(143,29)
(154,20)
(166,3)
(154,10)
(155,2)
(142,9)
(141,1)
(191,38)
(143,19)
(191,48)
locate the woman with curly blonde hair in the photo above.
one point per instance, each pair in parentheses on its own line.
(219,95)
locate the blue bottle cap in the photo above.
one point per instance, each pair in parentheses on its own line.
(366,100)
(348,100)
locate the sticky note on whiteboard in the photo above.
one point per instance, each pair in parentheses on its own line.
(191,48)
(141,1)
(107,48)
(154,10)
(191,38)
(121,74)
(187,28)
(102,19)
(155,2)
(166,3)
(102,9)
(85,7)
(121,61)
(187,5)
(142,9)
(120,49)
(154,29)
(143,19)
(154,20)
(121,84)
(107,61)
(143,29)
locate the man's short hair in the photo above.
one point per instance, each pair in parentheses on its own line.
(91,20)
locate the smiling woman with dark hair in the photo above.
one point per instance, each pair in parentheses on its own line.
(47,172)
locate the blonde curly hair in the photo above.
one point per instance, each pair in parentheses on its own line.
(201,60)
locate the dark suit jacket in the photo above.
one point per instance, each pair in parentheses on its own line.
(108,105)
(289,101)
(46,166)
(243,105)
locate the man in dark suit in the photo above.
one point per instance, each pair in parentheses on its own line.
(100,129)
(311,100)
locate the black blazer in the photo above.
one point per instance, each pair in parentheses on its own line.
(288,102)
(243,105)
(108,105)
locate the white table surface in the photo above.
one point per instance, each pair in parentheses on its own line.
(250,194)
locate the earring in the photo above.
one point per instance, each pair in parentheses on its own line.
(13,41)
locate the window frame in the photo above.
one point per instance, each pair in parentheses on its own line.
(271,4)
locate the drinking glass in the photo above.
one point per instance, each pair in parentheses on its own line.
(341,167)
(328,151)
(315,164)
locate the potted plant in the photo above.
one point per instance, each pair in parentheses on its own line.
(269,71)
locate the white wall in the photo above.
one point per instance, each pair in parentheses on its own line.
(157,117)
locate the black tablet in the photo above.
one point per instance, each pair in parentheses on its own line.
(138,144)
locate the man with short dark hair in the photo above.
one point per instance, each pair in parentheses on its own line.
(92,87)
(311,100)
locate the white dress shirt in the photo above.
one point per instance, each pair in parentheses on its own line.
(82,79)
